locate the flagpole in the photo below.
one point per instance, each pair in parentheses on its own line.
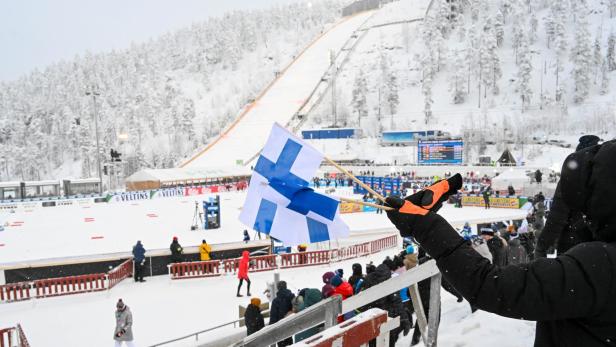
(359,202)
(355,179)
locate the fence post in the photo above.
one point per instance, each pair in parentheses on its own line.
(422,322)
(435,310)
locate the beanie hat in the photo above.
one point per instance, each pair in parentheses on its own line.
(356,269)
(255,301)
(204,241)
(410,249)
(336,281)
(340,272)
(389,263)
(587,141)
(120,304)
(328,276)
(370,268)
(282,285)
(487,231)
(175,238)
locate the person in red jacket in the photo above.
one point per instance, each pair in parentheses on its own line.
(344,289)
(242,273)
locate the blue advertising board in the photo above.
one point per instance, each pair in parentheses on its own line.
(440,152)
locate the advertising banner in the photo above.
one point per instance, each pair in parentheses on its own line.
(129,196)
(494,202)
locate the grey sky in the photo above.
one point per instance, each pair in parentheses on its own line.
(35,33)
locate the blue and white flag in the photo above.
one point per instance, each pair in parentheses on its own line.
(281,203)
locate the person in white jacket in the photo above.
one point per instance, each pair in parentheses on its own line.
(124,325)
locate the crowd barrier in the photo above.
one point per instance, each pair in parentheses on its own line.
(195,269)
(13,337)
(15,292)
(287,260)
(70,285)
(119,273)
(66,285)
(290,260)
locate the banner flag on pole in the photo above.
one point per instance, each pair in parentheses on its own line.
(279,200)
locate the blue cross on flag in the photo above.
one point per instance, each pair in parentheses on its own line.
(281,203)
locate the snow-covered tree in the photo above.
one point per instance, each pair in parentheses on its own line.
(611,56)
(391,88)
(458,83)
(605,79)
(581,56)
(499,30)
(360,92)
(525,70)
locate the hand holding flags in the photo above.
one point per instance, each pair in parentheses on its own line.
(281,203)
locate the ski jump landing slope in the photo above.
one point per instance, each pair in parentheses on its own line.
(280,100)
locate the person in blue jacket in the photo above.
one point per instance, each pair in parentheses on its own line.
(139,261)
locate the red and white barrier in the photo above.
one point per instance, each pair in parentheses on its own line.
(70,285)
(13,337)
(6,337)
(119,273)
(384,243)
(358,331)
(194,269)
(354,251)
(290,260)
(14,292)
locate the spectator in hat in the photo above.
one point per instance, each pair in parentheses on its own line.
(253,317)
(139,261)
(496,245)
(124,325)
(327,289)
(176,250)
(204,251)
(281,306)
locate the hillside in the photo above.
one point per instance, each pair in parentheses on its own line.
(488,71)
(159,100)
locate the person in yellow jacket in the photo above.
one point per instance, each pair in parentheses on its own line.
(204,251)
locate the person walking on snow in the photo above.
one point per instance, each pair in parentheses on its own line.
(139,261)
(246,236)
(242,273)
(204,251)
(124,325)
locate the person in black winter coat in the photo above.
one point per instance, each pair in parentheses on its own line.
(356,276)
(176,251)
(253,317)
(281,306)
(572,297)
(564,227)
(497,247)
(391,303)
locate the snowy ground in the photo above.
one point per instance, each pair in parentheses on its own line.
(164,309)
(67,231)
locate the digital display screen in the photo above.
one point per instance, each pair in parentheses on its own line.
(440,152)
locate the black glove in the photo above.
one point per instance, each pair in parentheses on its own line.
(406,326)
(432,197)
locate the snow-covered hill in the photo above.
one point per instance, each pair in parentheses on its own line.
(159,100)
(488,71)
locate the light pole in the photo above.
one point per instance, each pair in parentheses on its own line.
(94,92)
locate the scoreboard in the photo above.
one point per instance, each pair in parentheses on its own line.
(440,152)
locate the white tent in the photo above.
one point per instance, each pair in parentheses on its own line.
(515,177)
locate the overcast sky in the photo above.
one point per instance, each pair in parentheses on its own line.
(35,33)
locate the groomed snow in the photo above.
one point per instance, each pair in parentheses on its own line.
(164,309)
(65,231)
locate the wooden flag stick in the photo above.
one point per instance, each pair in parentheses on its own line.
(355,179)
(359,202)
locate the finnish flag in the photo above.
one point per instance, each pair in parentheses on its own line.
(279,200)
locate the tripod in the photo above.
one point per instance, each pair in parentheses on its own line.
(197,220)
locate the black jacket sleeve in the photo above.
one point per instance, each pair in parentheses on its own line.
(556,223)
(572,285)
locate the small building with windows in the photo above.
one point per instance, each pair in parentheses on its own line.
(10,191)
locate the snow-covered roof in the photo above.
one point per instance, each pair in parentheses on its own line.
(9,184)
(42,183)
(188,174)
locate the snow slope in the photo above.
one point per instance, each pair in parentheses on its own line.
(280,102)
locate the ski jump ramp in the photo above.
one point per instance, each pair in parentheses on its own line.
(280,101)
